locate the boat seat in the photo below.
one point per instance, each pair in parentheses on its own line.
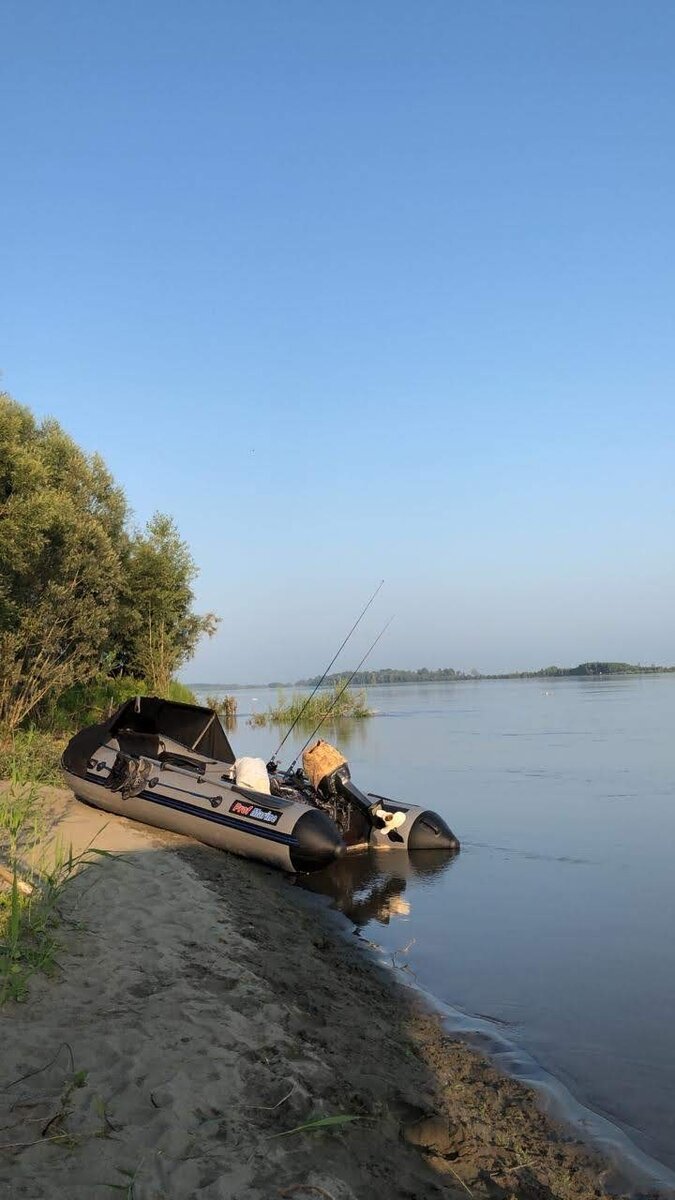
(138,744)
(175,759)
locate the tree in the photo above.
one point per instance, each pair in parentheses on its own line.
(61,518)
(156,631)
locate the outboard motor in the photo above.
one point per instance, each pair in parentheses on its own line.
(328,772)
(391,824)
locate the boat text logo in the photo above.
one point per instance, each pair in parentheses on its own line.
(241,808)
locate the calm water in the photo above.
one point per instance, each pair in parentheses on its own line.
(555,922)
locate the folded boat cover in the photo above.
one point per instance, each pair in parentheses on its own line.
(320,760)
(194,727)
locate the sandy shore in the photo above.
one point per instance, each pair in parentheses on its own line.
(204,1009)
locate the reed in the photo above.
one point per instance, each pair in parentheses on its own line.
(31,756)
(225,707)
(332,701)
(33,877)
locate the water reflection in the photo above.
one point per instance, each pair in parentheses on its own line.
(370,886)
(581,888)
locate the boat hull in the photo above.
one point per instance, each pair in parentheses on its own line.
(287,835)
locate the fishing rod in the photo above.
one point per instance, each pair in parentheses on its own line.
(274,758)
(343,689)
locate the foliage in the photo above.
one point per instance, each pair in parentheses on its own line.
(335,701)
(31,756)
(607,668)
(88,703)
(38,876)
(60,517)
(389,675)
(180,692)
(156,631)
(226,708)
(81,598)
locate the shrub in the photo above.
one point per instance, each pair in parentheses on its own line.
(336,703)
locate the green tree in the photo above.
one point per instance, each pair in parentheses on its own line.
(61,520)
(156,631)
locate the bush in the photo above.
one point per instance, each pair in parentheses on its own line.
(334,702)
(88,703)
(181,693)
(32,884)
(31,756)
(226,708)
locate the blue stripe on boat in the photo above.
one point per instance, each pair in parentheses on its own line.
(262,831)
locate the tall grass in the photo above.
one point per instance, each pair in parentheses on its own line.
(33,878)
(34,873)
(180,692)
(226,708)
(351,703)
(88,703)
(31,756)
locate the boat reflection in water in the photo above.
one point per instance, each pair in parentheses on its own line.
(369,887)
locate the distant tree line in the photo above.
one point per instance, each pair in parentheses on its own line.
(86,600)
(449,674)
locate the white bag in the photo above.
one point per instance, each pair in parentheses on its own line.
(252,773)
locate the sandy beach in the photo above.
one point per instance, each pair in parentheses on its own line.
(204,1009)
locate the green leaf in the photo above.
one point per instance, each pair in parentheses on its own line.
(318,1123)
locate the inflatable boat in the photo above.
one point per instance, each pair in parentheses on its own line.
(171,765)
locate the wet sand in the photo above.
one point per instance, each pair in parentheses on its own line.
(204,1009)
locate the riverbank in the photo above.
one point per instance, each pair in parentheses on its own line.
(204,1010)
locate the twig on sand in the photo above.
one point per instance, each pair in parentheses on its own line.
(304,1187)
(40,1142)
(38,1070)
(271,1107)
(31,1101)
(21,1120)
(362,938)
(459,1179)
(403,950)
(8,877)
(314,1125)
(403,966)
(512,1170)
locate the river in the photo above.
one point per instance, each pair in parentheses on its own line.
(551,933)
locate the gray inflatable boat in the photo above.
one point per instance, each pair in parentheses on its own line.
(171,765)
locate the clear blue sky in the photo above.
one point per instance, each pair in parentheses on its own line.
(359,290)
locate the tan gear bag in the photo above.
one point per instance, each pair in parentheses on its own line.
(320,760)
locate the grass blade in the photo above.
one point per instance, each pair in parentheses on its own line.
(318,1123)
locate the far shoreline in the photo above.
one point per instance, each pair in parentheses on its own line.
(361,680)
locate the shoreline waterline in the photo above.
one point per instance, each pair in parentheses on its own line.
(183,948)
(556,917)
(635,1169)
(600,1132)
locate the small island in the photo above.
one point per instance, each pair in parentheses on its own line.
(388,675)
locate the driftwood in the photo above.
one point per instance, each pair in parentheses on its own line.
(7,879)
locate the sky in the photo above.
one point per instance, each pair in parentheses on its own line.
(361,291)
